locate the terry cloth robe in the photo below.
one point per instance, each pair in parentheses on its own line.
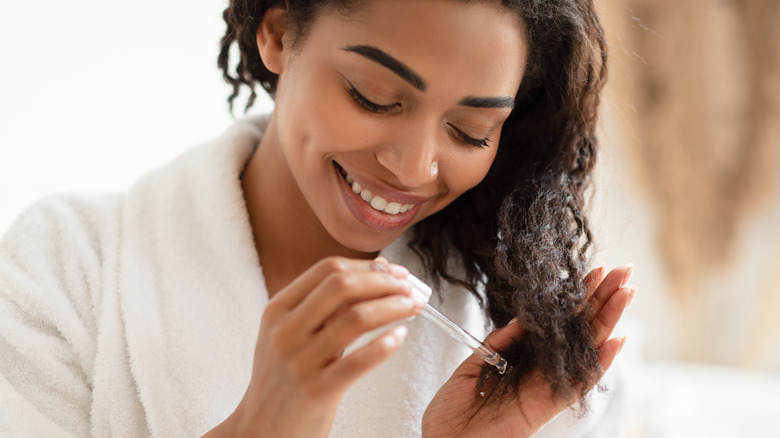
(136,314)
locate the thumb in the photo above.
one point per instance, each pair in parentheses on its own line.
(501,338)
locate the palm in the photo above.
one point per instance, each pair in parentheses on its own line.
(453,412)
(522,417)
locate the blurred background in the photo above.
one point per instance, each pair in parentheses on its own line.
(95,93)
(688,189)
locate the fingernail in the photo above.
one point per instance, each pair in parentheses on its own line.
(512,321)
(598,274)
(379,264)
(398,270)
(419,302)
(622,343)
(631,295)
(396,336)
(405,286)
(409,302)
(627,276)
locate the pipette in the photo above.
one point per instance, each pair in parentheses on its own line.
(454,330)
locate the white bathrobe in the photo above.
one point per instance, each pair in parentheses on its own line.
(136,314)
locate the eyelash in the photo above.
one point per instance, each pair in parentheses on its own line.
(367,104)
(384,109)
(480,143)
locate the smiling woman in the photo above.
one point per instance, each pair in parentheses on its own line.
(454,138)
(390,121)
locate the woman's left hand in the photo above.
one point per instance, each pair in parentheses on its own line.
(453,412)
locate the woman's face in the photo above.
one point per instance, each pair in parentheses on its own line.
(387,115)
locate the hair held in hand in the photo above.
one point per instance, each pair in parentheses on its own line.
(522,234)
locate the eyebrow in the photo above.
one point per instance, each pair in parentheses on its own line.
(383,58)
(488,102)
(394,65)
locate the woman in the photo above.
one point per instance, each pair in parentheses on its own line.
(452,138)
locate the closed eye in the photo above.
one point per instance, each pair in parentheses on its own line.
(465,138)
(369,105)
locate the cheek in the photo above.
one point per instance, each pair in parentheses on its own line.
(466,171)
(334,126)
(325,114)
(316,117)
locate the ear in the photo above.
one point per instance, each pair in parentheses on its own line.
(271,35)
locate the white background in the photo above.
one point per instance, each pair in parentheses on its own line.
(95,93)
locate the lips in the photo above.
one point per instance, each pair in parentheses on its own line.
(375,201)
(387,210)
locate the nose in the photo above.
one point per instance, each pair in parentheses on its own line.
(412,159)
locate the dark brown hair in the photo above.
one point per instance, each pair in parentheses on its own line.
(522,233)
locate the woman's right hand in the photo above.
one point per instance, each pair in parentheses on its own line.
(299,374)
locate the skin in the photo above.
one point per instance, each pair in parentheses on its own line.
(317,241)
(451,413)
(316,123)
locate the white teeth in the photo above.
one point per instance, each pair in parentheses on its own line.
(393,208)
(377,202)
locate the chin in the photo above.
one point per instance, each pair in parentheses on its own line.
(360,242)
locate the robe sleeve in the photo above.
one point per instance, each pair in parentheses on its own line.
(50,262)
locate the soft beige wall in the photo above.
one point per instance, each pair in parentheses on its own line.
(688,180)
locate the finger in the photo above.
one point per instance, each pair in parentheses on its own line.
(360,318)
(593,279)
(615,280)
(298,289)
(606,320)
(346,371)
(608,351)
(340,290)
(501,338)
(381,264)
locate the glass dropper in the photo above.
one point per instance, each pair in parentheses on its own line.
(454,330)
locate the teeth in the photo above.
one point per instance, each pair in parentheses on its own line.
(393,208)
(377,202)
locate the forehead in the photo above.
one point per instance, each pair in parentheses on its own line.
(477,44)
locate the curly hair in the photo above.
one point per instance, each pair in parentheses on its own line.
(522,233)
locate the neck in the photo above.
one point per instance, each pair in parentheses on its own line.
(288,236)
